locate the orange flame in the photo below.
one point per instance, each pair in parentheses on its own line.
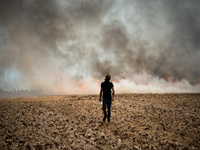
(95,80)
(112,79)
(170,80)
(198,83)
(60,89)
(82,86)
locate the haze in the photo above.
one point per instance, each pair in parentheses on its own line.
(68,47)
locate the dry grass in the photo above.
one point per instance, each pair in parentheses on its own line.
(138,121)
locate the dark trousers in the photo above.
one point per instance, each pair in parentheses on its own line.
(107,102)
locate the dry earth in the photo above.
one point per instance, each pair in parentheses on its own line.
(138,121)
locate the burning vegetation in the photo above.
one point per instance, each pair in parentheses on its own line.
(59,47)
(63,47)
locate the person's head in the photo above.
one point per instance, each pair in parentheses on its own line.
(107,79)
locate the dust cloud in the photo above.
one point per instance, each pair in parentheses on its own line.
(68,47)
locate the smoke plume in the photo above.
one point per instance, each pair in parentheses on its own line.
(65,47)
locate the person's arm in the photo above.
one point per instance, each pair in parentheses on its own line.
(113,93)
(101,91)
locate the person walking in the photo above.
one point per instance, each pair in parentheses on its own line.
(106,88)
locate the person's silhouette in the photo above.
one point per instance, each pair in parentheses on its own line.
(106,88)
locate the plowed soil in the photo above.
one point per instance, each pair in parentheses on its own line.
(138,121)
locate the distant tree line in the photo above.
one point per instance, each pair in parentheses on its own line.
(18,90)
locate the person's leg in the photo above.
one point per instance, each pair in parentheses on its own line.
(104,109)
(109,109)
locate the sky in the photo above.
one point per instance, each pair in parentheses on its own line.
(68,47)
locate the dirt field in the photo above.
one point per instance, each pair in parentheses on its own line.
(138,121)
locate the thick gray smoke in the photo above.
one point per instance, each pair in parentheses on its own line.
(57,44)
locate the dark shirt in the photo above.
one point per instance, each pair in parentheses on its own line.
(107,86)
